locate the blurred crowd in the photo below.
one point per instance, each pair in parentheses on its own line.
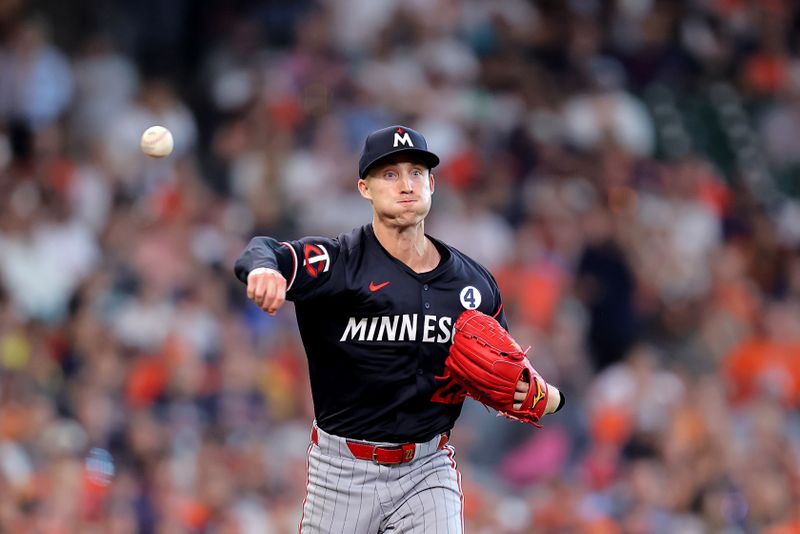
(627,169)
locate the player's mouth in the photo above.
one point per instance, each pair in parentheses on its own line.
(407,200)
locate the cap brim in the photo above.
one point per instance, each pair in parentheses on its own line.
(431,159)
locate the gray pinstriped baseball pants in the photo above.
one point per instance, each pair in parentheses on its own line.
(349,495)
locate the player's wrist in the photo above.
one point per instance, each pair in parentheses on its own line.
(260,270)
(555,400)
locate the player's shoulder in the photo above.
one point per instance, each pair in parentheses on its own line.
(462,261)
(351,242)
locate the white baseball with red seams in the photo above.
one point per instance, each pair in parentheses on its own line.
(157,142)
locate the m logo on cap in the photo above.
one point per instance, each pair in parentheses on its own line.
(401,137)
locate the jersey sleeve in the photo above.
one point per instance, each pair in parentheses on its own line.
(497,309)
(308,264)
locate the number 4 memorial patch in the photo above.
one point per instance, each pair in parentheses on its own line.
(470,298)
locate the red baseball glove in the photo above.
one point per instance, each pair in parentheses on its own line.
(488,363)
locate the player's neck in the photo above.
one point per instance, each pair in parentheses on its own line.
(409,245)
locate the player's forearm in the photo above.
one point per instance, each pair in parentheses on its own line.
(261,252)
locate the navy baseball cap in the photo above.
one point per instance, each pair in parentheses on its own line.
(391,140)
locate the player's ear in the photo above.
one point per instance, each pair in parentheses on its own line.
(431,181)
(363,188)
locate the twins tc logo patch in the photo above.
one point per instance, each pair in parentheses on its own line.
(470,297)
(316,259)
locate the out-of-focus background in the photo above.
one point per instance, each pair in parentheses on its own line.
(628,169)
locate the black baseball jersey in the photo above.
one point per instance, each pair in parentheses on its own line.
(375,332)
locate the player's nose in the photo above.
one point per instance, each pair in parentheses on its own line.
(407,182)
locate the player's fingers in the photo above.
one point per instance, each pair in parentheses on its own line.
(257,291)
(270,290)
(251,289)
(254,283)
(280,297)
(520,393)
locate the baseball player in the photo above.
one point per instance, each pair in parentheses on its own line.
(376,309)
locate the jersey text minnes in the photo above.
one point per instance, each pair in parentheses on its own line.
(399,328)
(375,332)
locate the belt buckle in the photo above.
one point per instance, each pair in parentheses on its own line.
(375,456)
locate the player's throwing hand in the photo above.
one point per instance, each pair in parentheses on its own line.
(267,288)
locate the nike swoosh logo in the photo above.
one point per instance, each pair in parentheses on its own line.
(374,287)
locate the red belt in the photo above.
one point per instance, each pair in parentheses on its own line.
(380,454)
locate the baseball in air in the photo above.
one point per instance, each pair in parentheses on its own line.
(157,142)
